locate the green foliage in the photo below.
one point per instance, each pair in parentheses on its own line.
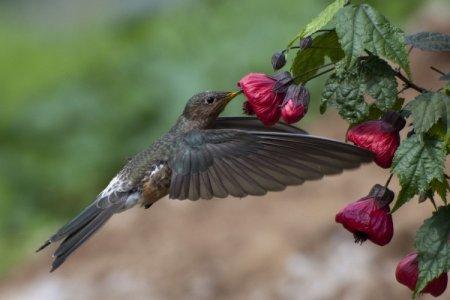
(380,82)
(321,20)
(429,108)
(345,92)
(429,41)
(307,62)
(360,28)
(417,162)
(433,246)
(441,188)
(366,38)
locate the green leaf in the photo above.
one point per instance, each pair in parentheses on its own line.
(433,247)
(427,109)
(324,45)
(346,94)
(429,41)
(440,187)
(348,85)
(380,82)
(417,162)
(446,90)
(375,112)
(362,28)
(320,21)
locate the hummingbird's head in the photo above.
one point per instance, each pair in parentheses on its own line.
(207,105)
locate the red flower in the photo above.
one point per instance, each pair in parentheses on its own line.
(295,104)
(263,98)
(247,108)
(407,273)
(381,137)
(292,112)
(369,217)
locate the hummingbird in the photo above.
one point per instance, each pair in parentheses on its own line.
(204,156)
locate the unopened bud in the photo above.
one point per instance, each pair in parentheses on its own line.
(278,60)
(283,81)
(306,42)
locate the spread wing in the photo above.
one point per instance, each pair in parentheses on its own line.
(253,124)
(222,162)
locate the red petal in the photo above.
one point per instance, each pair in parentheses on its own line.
(437,286)
(364,216)
(378,137)
(258,88)
(407,273)
(292,112)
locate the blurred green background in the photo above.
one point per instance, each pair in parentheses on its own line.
(86,84)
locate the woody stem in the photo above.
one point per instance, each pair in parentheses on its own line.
(437,70)
(409,83)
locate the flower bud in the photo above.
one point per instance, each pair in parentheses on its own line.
(295,104)
(282,81)
(278,60)
(380,136)
(369,217)
(407,273)
(306,42)
(258,88)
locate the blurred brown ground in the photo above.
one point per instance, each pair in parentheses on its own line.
(281,246)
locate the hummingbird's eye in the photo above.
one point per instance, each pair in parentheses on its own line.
(210,100)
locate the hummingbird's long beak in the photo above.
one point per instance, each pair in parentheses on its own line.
(231,95)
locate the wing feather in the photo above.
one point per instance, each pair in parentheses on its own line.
(222,162)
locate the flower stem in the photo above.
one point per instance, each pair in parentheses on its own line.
(389,180)
(313,70)
(319,74)
(312,47)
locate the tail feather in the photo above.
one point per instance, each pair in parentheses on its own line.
(79,230)
(78,237)
(84,217)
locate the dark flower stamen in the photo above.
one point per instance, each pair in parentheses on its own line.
(360,237)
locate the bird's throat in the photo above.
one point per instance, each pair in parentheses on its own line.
(185,124)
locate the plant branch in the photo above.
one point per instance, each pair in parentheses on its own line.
(312,47)
(410,49)
(320,74)
(408,83)
(404,88)
(437,70)
(313,70)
